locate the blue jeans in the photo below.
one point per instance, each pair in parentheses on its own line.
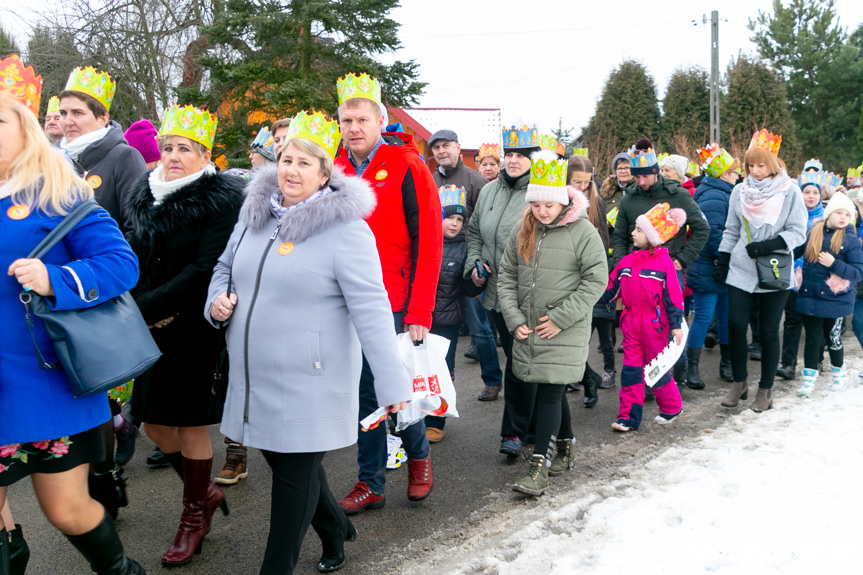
(857,320)
(372,444)
(705,305)
(451,333)
(481,336)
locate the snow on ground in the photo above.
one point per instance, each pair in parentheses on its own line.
(769,493)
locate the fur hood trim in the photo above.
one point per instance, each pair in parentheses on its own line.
(351,199)
(578,205)
(186,207)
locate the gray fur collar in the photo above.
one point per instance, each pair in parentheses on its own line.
(350,199)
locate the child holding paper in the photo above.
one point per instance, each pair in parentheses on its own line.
(646,282)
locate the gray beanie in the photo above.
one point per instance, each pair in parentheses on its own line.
(677,163)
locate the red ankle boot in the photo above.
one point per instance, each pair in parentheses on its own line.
(197,512)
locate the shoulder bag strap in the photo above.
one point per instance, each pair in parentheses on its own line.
(64,227)
(746,223)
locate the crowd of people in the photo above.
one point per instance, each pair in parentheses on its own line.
(303,270)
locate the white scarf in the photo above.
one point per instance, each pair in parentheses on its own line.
(162,188)
(761,200)
(79,144)
(6,189)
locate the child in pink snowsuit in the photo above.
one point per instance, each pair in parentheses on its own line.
(646,281)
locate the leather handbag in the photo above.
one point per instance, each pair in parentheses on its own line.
(774,269)
(99,347)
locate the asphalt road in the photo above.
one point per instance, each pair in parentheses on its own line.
(472,481)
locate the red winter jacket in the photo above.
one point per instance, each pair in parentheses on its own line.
(406,224)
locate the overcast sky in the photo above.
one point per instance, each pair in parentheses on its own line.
(540,60)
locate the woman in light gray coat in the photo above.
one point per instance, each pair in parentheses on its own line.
(307,290)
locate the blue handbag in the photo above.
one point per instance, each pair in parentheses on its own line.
(99,347)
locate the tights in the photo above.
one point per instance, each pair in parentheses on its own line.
(819,330)
(553,419)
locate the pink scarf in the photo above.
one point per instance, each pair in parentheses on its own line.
(761,201)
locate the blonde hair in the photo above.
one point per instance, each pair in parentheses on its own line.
(527,236)
(816,238)
(312,149)
(43,178)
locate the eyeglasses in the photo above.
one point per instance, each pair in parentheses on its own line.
(579,183)
(623,169)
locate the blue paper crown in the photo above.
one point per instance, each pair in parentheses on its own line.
(263,144)
(526,137)
(807,178)
(831,178)
(452,196)
(642,158)
(813,164)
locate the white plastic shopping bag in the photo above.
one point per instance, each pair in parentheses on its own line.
(433,390)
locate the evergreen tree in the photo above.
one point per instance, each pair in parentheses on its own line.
(8,46)
(563,135)
(53,54)
(686,112)
(822,68)
(756,99)
(267,59)
(627,110)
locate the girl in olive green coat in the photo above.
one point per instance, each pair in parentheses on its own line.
(552,273)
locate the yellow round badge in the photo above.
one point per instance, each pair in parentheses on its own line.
(286,248)
(94,181)
(18,212)
(381,175)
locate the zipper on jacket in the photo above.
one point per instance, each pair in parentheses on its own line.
(532,291)
(497,227)
(249,317)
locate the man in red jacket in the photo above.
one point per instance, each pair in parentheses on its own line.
(406,225)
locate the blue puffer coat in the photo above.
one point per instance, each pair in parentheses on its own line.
(815,297)
(712,197)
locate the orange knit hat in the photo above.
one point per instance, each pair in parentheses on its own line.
(661,223)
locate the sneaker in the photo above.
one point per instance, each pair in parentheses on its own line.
(755,351)
(840,378)
(125,435)
(810,378)
(665,419)
(620,348)
(489,393)
(395,452)
(471,353)
(433,434)
(420,478)
(510,446)
(236,457)
(360,499)
(157,459)
(621,425)
(787,372)
(607,379)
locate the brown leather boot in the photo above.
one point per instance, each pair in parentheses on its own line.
(195,520)
(215,494)
(736,391)
(763,400)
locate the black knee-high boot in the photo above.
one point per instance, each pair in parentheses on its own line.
(4,552)
(102,549)
(19,552)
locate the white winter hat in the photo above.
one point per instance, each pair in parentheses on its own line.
(547,179)
(840,201)
(677,163)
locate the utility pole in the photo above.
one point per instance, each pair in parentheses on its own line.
(714,75)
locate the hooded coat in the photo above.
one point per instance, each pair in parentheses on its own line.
(178,243)
(111,167)
(830,292)
(310,292)
(565,277)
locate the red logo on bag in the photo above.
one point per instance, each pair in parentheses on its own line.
(434,385)
(420,384)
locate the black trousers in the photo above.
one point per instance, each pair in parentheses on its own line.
(300,497)
(791,330)
(818,331)
(519,396)
(553,418)
(770,307)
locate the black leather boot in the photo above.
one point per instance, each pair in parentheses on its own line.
(725,372)
(4,552)
(109,489)
(19,552)
(102,549)
(679,371)
(693,378)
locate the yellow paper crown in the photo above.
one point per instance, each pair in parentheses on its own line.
(583,152)
(93,83)
(548,172)
(190,122)
(767,141)
(362,86)
(314,126)
(53,104)
(489,150)
(551,143)
(20,83)
(855,172)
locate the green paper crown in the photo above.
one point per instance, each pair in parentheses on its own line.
(93,83)
(53,104)
(580,152)
(362,86)
(315,127)
(548,172)
(190,122)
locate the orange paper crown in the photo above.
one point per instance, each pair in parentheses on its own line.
(20,83)
(661,223)
(767,141)
(489,150)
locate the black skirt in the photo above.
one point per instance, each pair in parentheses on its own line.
(51,456)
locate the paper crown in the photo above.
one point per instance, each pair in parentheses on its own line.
(525,137)
(813,165)
(642,159)
(53,104)
(692,168)
(452,200)
(661,223)
(855,172)
(551,143)
(580,152)
(807,178)
(190,122)
(362,86)
(767,141)
(831,179)
(661,157)
(315,127)
(489,150)
(93,83)
(715,160)
(20,83)
(263,144)
(548,172)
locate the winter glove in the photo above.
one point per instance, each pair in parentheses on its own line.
(720,272)
(756,249)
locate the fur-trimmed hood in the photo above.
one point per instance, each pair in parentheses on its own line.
(350,199)
(208,195)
